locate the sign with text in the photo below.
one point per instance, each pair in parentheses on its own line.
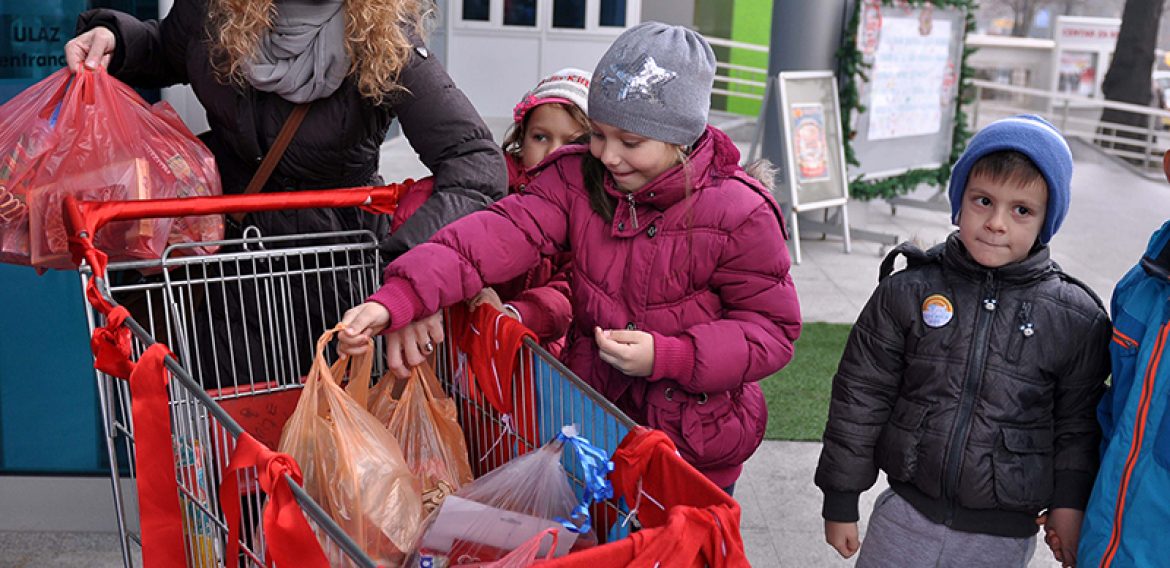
(33,37)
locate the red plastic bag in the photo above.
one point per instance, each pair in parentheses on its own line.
(91,136)
(25,135)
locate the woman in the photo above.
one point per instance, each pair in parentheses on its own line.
(360,63)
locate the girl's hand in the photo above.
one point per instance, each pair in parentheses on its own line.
(361,323)
(94,47)
(631,352)
(843,538)
(486,296)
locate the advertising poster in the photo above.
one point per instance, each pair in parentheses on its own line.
(809,143)
(1078,73)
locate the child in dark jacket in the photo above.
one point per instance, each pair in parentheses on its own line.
(549,116)
(971,377)
(681,294)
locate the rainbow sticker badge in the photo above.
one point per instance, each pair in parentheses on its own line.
(937,310)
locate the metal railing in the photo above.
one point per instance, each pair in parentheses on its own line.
(1080,118)
(738,81)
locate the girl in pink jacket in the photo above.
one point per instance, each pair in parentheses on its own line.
(682,299)
(549,116)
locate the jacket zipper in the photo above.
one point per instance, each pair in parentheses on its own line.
(1135,445)
(967,397)
(633,210)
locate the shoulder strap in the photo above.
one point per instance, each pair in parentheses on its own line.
(1071,280)
(275,152)
(914,257)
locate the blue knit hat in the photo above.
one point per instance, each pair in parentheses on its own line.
(1033,137)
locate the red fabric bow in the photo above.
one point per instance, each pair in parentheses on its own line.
(290,540)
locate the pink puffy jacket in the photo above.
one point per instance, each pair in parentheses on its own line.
(706,275)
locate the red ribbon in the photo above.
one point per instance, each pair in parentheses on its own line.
(291,541)
(154,456)
(111,346)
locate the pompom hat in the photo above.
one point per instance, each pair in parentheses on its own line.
(567,86)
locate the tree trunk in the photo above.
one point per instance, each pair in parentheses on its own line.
(1025,12)
(1128,78)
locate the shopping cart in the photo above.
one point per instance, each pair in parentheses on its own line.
(209,407)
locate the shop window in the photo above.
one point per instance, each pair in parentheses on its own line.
(520,13)
(569,14)
(477,10)
(613,13)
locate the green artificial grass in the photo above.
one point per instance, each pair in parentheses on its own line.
(798,395)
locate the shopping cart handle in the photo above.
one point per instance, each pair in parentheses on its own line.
(84,218)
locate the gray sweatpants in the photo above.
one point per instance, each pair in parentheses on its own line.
(898,535)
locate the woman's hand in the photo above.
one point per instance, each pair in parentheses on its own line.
(361,323)
(410,346)
(94,47)
(631,352)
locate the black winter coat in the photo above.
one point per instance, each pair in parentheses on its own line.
(245,331)
(338,143)
(983,419)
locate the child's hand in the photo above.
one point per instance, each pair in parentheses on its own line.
(842,537)
(361,324)
(486,296)
(1062,533)
(410,346)
(631,352)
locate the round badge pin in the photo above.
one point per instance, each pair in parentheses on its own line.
(937,310)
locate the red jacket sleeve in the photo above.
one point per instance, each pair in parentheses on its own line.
(495,245)
(761,315)
(547,309)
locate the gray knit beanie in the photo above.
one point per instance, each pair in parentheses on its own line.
(655,81)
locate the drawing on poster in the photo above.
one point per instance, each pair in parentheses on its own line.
(908,78)
(810,145)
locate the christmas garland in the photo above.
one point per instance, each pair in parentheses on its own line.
(853,68)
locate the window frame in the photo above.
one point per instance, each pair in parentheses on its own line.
(544,16)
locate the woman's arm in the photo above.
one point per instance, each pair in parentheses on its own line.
(151,53)
(453,142)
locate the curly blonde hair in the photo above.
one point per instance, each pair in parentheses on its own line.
(376,32)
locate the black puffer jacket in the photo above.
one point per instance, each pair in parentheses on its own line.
(982,420)
(338,143)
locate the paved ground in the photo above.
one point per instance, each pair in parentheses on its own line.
(1113,213)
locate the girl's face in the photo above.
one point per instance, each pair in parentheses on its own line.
(550,126)
(631,159)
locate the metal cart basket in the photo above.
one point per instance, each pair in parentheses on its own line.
(268,297)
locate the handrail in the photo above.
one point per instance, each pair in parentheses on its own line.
(1129,107)
(721,42)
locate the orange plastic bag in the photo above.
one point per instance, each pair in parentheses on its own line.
(91,136)
(353,467)
(424,421)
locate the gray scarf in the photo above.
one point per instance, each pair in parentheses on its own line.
(302,58)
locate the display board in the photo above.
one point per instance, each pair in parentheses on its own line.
(904,64)
(814,160)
